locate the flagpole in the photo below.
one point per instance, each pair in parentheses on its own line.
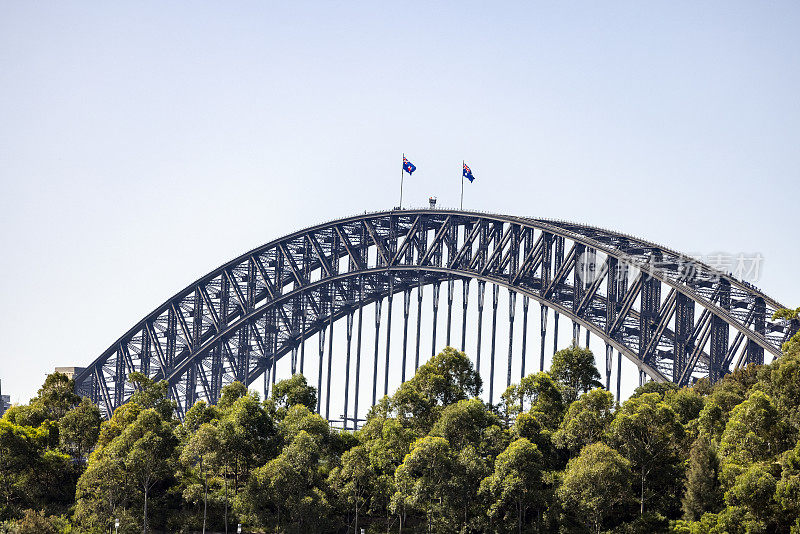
(402,176)
(462,184)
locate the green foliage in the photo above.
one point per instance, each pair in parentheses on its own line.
(596,485)
(648,433)
(516,488)
(35,471)
(662,388)
(543,397)
(79,429)
(422,481)
(464,423)
(558,455)
(294,391)
(37,522)
(754,433)
(686,402)
(354,480)
(586,421)
(575,372)
(445,379)
(285,493)
(703,492)
(152,395)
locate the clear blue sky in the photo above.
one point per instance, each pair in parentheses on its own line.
(142,144)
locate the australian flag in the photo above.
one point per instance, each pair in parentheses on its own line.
(468,173)
(408,166)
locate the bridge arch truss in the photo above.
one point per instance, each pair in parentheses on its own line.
(676,318)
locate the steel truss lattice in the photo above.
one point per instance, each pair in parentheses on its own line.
(676,318)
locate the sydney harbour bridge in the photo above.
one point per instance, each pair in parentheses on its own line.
(272,311)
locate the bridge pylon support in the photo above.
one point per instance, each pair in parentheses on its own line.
(406,309)
(495,295)
(465,305)
(555,331)
(419,323)
(481,293)
(330,365)
(512,308)
(450,286)
(543,316)
(525,302)
(378,307)
(321,363)
(388,339)
(349,336)
(435,317)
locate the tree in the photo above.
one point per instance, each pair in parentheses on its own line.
(34,522)
(286,492)
(540,393)
(150,394)
(387,441)
(574,370)
(353,479)
(422,480)
(135,454)
(703,493)
(464,423)
(200,413)
(754,433)
(56,396)
(293,391)
(516,485)
(647,432)
(145,450)
(686,402)
(586,421)
(445,379)
(662,388)
(781,381)
(104,491)
(470,429)
(20,447)
(298,419)
(247,438)
(596,484)
(79,429)
(753,490)
(791,347)
(201,453)
(787,492)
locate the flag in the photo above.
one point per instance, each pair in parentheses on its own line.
(408,166)
(468,173)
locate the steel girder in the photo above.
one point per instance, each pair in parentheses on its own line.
(668,313)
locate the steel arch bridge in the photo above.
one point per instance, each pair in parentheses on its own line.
(675,318)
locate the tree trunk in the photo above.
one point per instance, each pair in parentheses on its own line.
(205,503)
(145,510)
(641,507)
(225,478)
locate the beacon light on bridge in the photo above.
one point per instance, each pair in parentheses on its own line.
(238,321)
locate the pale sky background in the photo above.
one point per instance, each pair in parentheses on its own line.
(143,144)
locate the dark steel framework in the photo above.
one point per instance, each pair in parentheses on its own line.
(675,318)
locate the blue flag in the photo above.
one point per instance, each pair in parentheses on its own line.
(468,173)
(408,166)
